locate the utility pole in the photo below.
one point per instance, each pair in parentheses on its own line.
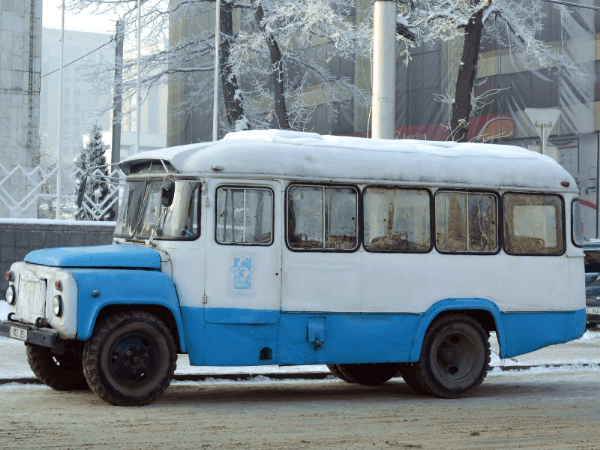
(215,134)
(138,98)
(60,110)
(384,69)
(598,190)
(117,97)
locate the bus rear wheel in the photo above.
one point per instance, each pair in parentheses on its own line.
(130,359)
(454,360)
(368,374)
(336,372)
(411,376)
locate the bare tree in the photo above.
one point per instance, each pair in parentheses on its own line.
(511,23)
(277,64)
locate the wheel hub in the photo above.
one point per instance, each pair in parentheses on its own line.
(134,359)
(455,357)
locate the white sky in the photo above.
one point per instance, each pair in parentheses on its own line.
(80,22)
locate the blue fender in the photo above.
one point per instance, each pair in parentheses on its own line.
(451,304)
(123,287)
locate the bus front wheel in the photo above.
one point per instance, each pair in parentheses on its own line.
(63,372)
(454,359)
(130,359)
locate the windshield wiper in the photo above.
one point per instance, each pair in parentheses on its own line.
(162,214)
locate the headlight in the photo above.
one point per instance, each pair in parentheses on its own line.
(57,305)
(11,295)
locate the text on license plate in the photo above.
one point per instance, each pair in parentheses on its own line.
(18,333)
(593,311)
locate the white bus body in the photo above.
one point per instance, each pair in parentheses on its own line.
(299,256)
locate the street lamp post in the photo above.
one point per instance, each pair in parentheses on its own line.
(60,110)
(216,74)
(138,121)
(384,69)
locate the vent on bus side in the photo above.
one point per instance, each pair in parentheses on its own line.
(266,354)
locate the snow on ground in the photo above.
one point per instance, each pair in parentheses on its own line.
(3,310)
(497,371)
(75,223)
(586,350)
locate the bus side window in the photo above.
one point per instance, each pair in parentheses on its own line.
(533,224)
(397,220)
(322,218)
(466,222)
(244,216)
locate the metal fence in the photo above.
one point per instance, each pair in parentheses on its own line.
(27,192)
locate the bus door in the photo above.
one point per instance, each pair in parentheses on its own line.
(243,270)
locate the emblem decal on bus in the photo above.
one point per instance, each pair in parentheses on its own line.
(242,273)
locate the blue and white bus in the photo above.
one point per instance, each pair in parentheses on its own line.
(374,257)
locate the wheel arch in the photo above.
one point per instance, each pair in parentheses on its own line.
(160,311)
(105,291)
(482,310)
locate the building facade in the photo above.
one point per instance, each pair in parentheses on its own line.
(430,75)
(153,111)
(80,105)
(21,44)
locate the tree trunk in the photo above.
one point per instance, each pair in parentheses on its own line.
(233,102)
(461,108)
(276,69)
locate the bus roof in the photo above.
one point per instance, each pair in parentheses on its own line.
(298,155)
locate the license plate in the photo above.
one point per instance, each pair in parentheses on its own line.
(593,311)
(18,333)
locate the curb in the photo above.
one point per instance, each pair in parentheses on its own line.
(280,376)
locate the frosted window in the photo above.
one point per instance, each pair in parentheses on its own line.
(466,222)
(533,224)
(244,216)
(577,230)
(322,217)
(397,220)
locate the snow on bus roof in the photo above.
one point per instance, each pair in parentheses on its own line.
(293,154)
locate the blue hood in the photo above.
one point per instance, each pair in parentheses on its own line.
(117,255)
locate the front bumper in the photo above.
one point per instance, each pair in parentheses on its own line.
(592,319)
(44,337)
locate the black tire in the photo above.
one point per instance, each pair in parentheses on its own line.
(368,374)
(130,359)
(63,372)
(411,377)
(454,359)
(333,368)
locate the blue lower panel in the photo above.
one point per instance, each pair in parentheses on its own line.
(527,332)
(229,344)
(193,325)
(349,338)
(304,338)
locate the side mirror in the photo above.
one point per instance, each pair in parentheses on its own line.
(168,192)
(81,191)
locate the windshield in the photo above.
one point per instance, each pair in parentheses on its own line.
(129,211)
(179,221)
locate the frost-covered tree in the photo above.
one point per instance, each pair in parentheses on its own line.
(273,69)
(92,162)
(515,24)
(285,52)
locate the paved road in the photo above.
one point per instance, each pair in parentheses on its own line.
(545,409)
